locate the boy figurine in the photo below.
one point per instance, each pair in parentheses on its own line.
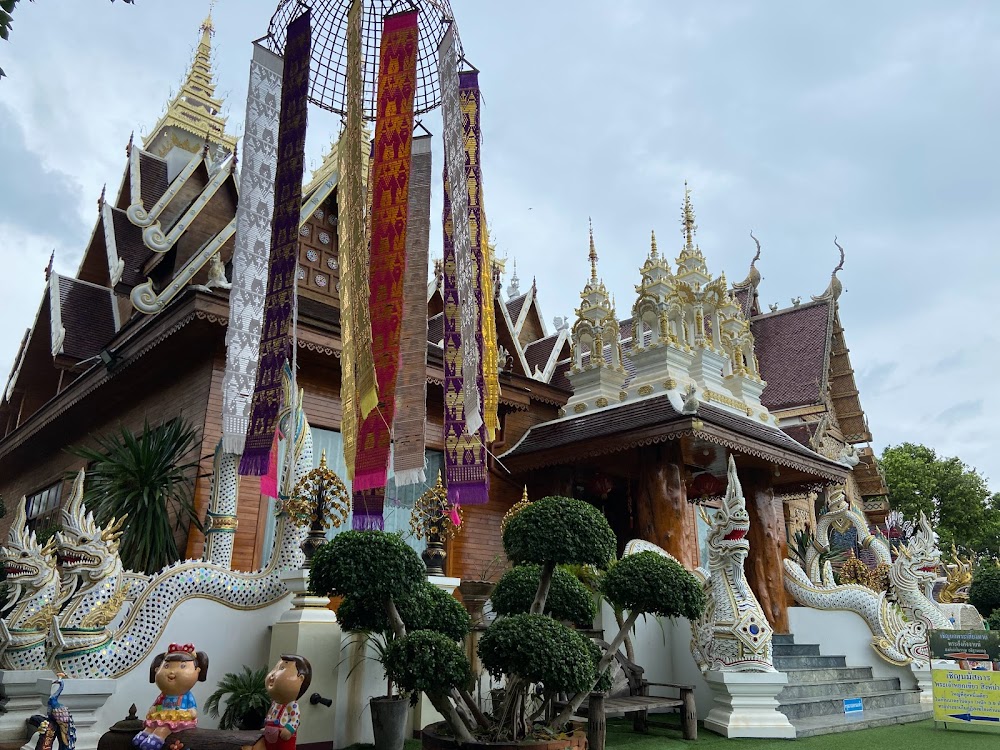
(286,683)
(175,673)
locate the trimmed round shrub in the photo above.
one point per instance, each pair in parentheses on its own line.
(650,583)
(538,649)
(429,661)
(568,599)
(559,530)
(984,593)
(366,564)
(432,608)
(427,607)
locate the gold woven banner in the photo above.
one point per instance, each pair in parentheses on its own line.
(470,98)
(353,245)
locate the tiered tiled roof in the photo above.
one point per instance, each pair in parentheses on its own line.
(87,315)
(792,348)
(642,421)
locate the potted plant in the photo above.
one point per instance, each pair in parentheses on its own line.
(386,598)
(246,699)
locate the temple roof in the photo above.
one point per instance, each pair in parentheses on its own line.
(654,419)
(792,347)
(83,317)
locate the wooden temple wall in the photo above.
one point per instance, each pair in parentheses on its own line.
(145,391)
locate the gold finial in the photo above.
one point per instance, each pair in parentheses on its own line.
(322,459)
(687,219)
(593,253)
(207,27)
(100,201)
(524,495)
(653,252)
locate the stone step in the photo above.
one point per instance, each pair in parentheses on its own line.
(828,674)
(783,639)
(809,662)
(837,689)
(825,705)
(796,649)
(878,717)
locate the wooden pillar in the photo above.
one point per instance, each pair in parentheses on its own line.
(663,514)
(765,569)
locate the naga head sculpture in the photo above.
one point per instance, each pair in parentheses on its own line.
(27,563)
(921,558)
(84,549)
(731,523)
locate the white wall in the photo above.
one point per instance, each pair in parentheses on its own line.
(230,637)
(663,650)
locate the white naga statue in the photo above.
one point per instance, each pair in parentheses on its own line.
(105,619)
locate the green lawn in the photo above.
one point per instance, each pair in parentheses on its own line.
(917,736)
(920,735)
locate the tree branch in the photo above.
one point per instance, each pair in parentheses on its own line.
(544,582)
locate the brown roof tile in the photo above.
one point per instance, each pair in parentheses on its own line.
(152,178)
(791,348)
(537,353)
(658,411)
(87,315)
(559,376)
(435,328)
(131,248)
(514,307)
(801,433)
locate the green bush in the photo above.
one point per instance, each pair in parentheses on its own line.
(984,593)
(538,649)
(560,530)
(651,583)
(994,620)
(429,661)
(568,598)
(366,564)
(427,607)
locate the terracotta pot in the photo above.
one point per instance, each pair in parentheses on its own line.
(433,738)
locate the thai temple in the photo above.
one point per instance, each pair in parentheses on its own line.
(644,404)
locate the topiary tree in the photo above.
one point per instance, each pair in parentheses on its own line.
(558,531)
(568,598)
(984,593)
(645,583)
(530,647)
(386,593)
(994,620)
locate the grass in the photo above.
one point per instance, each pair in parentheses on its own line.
(921,735)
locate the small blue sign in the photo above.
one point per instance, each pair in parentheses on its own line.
(853,706)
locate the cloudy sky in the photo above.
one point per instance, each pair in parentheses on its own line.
(875,122)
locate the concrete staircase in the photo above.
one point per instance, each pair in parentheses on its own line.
(813,700)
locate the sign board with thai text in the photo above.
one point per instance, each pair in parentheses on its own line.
(967,697)
(965,645)
(853,706)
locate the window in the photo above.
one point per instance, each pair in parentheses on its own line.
(398,501)
(43,507)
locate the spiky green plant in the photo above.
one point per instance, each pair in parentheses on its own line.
(246,698)
(147,478)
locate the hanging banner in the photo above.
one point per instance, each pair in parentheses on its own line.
(279,301)
(466,269)
(390,204)
(253,246)
(411,390)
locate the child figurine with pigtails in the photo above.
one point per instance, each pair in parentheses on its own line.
(175,673)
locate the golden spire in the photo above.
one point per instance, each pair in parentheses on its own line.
(194,110)
(653,252)
(524,496)
(593,253)
(687,219)
(322,456)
